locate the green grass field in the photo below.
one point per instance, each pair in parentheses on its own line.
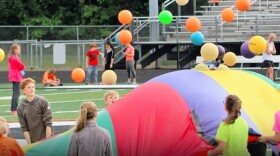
(65,103)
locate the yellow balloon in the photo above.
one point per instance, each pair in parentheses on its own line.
(109,77)
(201,67)
(257,45)
(209,52)
(229,59)
(182,2)
(223,67)
(2,55)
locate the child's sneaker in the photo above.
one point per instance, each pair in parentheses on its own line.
(13,112)
(134,83)
(127,82)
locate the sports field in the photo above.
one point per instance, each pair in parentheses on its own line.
(65,103)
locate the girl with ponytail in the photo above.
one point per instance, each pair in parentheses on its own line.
(88,138)
(232,133)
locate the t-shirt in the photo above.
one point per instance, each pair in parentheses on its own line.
(93,57)
(10,147)
(129,50)
(266,56)
(48,76)
(276,126)
(235,136)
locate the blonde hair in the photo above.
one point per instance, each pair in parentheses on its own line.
(3,125)
(271,35)
(233,105)
(25,82)
(88,112)
(110,93)
(13,47)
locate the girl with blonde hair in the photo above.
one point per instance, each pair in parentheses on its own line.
(88,138)
(267,56)
(15,74)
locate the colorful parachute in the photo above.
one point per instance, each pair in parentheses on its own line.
(157,118)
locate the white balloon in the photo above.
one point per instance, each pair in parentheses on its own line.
(182,2)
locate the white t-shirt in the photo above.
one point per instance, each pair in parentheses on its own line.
(266,56)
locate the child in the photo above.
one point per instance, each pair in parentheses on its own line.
(92,61)
(232,133)
(50,78)
(129,58)
(15,74)
(276,129)
(110,97)
(88,138)
(34,114)
(8,146)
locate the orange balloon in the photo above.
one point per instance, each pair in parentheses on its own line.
(78,75)
(125,17)
(228,15)
(215,1)
(242,5)
(193,24)
(125,37)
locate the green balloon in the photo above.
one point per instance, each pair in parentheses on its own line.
(165,17)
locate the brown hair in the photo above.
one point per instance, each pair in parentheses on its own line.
(13,48)
(52,71)
(88,112)
(91,45)
(3,125)
(25,82)
(233,106)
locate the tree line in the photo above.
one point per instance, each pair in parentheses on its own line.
(71,12)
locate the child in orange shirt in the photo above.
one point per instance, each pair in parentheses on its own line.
(8,146)
(50,78)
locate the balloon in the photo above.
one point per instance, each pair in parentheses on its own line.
(109,77)
(201,67)
(182,2)
(165,17)
(221,50)
(222,67)
(242,5)
(257,45)
(209,52)
(245,51)
(2,55)
(117,38)
(215,1)
(78,75)
(228,15)
(229,59)
(125,37)
(125,17)
(197,38)
(193,24)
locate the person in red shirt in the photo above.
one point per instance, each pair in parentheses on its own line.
(92,62)
(15,74)
(129,58)
(8,146)
(50,78)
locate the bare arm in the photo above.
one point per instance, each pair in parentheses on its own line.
(27,137)
(48,131)
(218,150)
(273,138)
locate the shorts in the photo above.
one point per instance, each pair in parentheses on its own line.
(267,63)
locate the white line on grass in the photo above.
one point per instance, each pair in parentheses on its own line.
(65,93)
(4,90)
(75,101)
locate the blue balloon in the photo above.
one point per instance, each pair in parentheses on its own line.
(22,72)
(197,38)
(117,38)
